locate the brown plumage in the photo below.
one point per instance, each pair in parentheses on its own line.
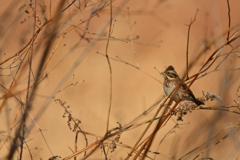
(171,80)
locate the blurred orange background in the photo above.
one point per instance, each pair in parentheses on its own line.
(146,34)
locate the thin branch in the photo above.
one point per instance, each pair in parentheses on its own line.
(105,154)
(219,109)
(189,27)
(229,20)
(167,134)
(73,120)
(131,36)
(31,156)
(29,81)
(109,66)
(82,150)
(215,70)
(68,6)
(127,63)
(45,140)
(75,144)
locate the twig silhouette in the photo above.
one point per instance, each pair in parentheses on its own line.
(189,28)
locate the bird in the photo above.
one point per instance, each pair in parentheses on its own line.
(172,80)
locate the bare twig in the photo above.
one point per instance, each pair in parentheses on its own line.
(189,27)
(31,156)
(229,20)
(109,66)
(105,154)
(29,79)
(76,123)
(75,144)
(118,59)
(131,36)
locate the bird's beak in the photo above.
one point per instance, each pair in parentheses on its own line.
(162,73)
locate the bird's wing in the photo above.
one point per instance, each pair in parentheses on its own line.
(189,90)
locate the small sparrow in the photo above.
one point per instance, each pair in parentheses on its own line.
(171,80)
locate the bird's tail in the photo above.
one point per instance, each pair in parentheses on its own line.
(198,102)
